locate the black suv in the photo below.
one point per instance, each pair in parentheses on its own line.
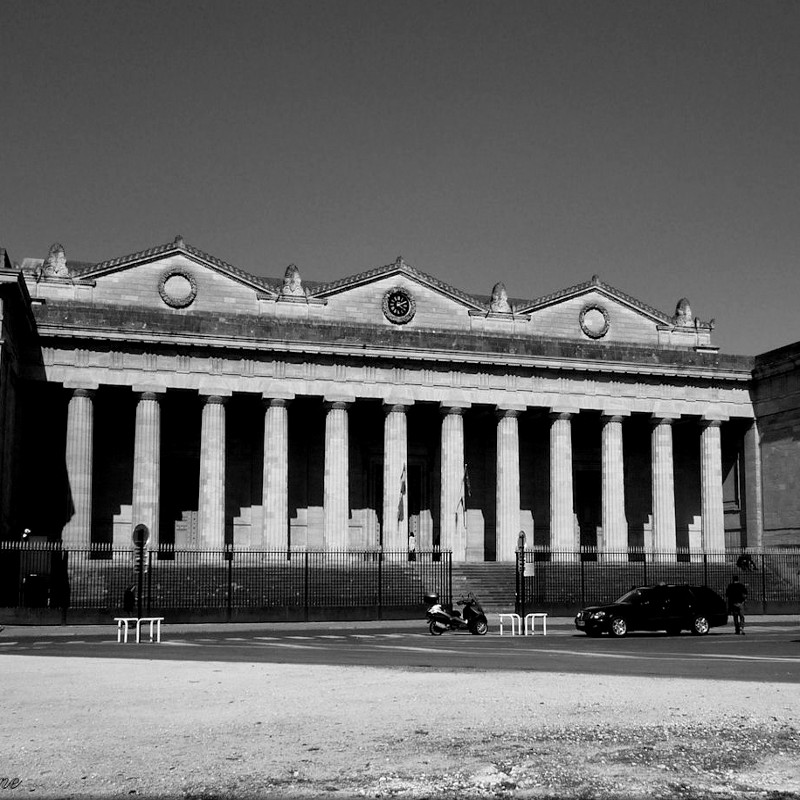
(665,607)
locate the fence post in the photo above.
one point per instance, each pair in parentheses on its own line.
(450,577)
(229,559)
(644,566)
(583,582)
(763,583)
(305,587)
(380,583)
(149,580)
(705,569)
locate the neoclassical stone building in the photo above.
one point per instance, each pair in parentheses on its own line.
(387,408)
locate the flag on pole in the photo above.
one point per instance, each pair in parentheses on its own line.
(401,511)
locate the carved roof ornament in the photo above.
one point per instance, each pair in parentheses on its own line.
(292,283)
(55,265)
(683,314)
(500,302)
(179,241)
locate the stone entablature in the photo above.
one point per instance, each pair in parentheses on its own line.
(376,381)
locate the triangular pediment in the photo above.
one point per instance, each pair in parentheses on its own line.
(595,288)
(401,269)
(175,251)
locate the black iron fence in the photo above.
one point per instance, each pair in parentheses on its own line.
(225,583)
(567,581)
(93,583)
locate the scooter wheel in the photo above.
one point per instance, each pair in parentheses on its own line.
(480,628)
(435,629)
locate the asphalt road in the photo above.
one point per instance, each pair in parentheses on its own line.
(769,652)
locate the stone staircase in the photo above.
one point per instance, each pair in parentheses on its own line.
(493,584)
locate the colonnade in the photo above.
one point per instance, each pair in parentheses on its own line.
(336,512)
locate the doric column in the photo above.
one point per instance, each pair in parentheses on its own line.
(275,487)
(507,512)
(615,525)
(211,511)
(147,464)
(80,438)
(452,506)
(713,514)
(337,485)
(395,478)
(664,534)
(752,487)
(563,537)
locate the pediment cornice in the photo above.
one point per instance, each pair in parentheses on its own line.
(596,285)
(398,267)
(177,247)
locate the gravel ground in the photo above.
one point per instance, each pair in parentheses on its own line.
(110,728)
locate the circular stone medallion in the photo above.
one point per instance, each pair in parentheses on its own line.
(177,288)
(594,321)
(399,306)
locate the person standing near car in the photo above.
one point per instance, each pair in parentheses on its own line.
(736,595)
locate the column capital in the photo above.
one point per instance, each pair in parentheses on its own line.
(215,399)
(215,392)
(338,405)
(89,386)
(148,388)
(156,396)
(448,409)
(614,412)
(275,402)
(81,392)
(399,405)
(663,419)
(518,408)
(567,415)
(711,423)
(275,391)
(339,398)
(565,409)
(606,418)
(506,413)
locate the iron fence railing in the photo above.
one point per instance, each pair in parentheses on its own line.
(44,574)
(568,579)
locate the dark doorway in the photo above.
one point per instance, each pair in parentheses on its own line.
(587,505)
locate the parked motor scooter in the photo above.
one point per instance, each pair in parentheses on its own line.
(441,619)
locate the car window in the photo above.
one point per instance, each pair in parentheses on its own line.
(636,596)
(628,597)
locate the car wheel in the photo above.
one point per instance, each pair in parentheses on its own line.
(700,626)
(618,627)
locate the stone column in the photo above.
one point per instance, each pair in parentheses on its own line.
(615,525)
(664,534)
(80,440)
(713,513)
(147,465)
(275,485)
(752,487)
(395,478)
(452,527)
(507,512)
(563,537)
(211,510)
(337,485)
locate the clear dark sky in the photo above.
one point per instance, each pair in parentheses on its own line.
(656,144)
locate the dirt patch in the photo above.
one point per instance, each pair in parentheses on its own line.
(109,728)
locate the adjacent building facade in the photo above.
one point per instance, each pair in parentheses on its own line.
(386,409)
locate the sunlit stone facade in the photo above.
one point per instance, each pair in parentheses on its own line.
(386,409)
